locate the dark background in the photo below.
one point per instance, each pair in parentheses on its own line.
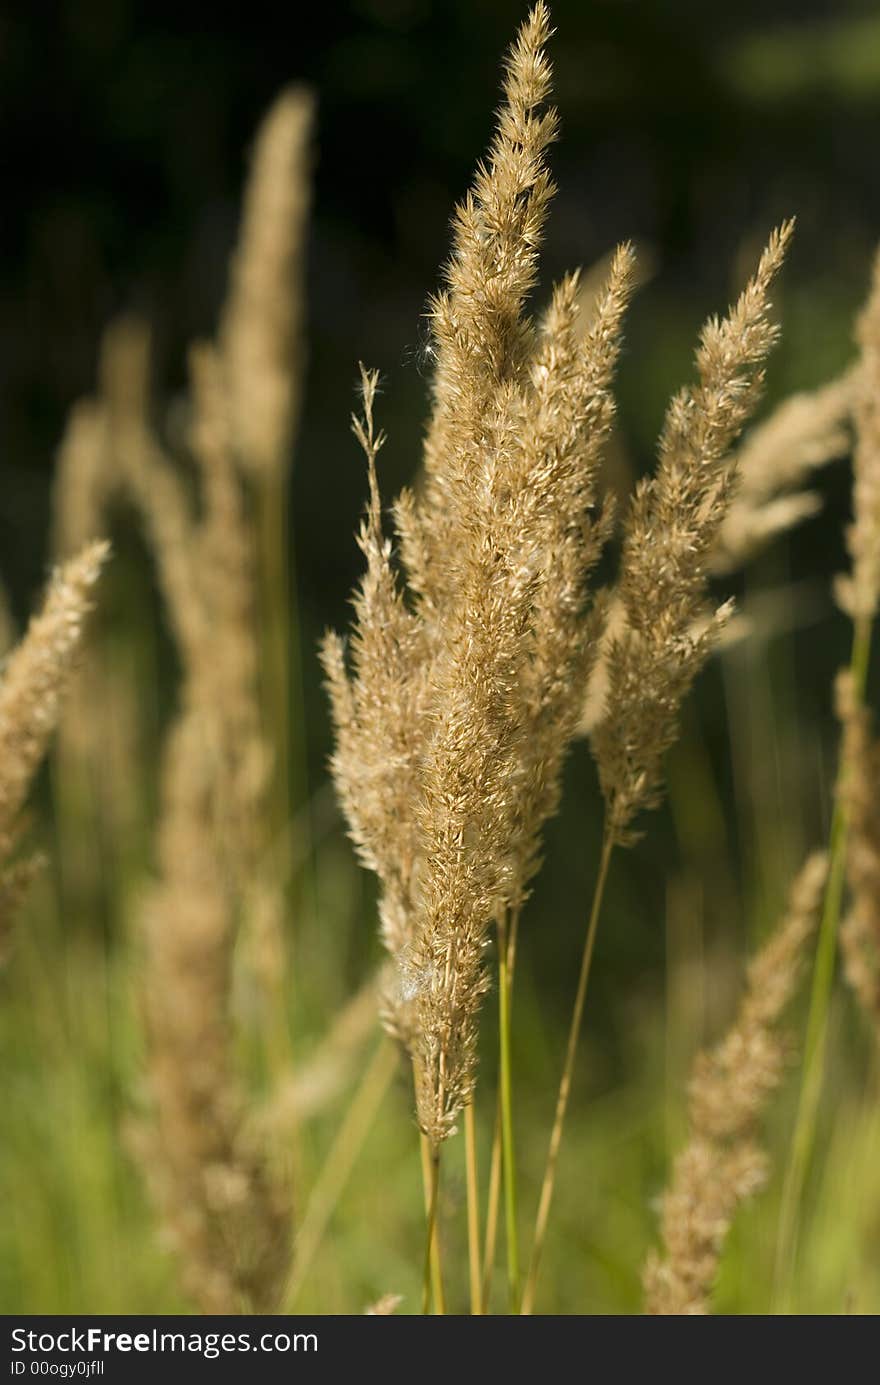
(125,129)
(689,127)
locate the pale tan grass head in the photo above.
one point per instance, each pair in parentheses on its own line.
(224,1211)
(452,726)
(722,1163)
(261,335)
(480,336)
(859,591)
(224,1205)
(225,573)
(669,533)
(34,679)
(859,792)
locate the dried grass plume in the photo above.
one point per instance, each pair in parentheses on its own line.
(664,637)
(261,335)
(465,684)
(722,1164)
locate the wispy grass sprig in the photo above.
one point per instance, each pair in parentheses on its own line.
(34,678)
(672,526)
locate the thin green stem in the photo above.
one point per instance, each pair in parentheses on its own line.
(816,1036)
(432,1272)
(473,1209)
(548,1183)
(493,1206)
(506,942)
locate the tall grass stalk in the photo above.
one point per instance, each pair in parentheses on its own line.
(473,1211)
(493,1207)
(506,971)
(432,1276)
(506,954)
(815,1041)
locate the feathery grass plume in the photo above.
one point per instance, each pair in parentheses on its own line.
(79,515)
(722,1164)
(226,565)
(570,418)
(672,525)
(224,570)
(225,1212)
(262,350)
(859,790)
(261,332)
(770,613)
(859,592)
(35,677)
(34,680)
(225,1209)
(507,678)
(480,337)
(803,433)
(451,729)
(806,431)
